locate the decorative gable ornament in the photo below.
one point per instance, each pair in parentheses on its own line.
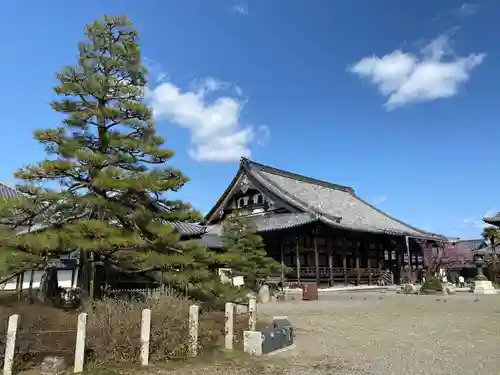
(245,184)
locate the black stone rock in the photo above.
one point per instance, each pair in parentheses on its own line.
(280,334)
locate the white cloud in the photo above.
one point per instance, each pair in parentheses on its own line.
(378,200)
(217,133)
(404,77)
(467,9)
(240,8)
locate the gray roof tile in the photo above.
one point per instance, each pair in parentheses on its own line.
(8,192)
(495,219)
(267,223)
(338,204)
(188,229)
(264,223)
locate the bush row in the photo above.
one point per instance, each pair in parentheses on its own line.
(113,331)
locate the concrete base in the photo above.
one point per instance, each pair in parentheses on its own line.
(483,287)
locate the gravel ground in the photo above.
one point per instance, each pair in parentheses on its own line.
(374,333)
(380,334)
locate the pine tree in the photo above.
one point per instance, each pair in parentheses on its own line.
(102,190)
(245,250)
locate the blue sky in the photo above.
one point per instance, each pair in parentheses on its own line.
(398,99)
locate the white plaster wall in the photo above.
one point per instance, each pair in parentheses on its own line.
(64,277)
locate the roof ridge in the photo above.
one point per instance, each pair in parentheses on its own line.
(265,168)
(295,176)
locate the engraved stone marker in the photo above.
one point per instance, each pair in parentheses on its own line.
(278,336)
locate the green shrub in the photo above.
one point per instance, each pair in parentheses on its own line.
(432,284)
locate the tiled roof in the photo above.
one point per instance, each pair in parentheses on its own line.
(189,229)
(8,192)
(472,244)
(264,223)
(268,223)
(495,219)
(212,241)
(334,204)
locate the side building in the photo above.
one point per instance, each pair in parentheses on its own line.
(322,231)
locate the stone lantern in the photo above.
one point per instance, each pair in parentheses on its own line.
(481,284)
(479,263)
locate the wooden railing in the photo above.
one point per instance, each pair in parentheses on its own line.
(324,272)
(349,275)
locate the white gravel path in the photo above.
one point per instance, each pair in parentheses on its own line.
(374,333)
(379,334)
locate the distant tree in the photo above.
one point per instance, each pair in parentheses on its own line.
(438,256)
(245,252)
(492,236)
(107,173)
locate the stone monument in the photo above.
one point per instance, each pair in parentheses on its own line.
(481,284)
(264,294)
(277,337)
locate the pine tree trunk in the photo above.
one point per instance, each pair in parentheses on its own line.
(49,284)
(83,274)
(30,288)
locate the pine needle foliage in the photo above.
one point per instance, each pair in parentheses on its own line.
(104,186)
(245,251)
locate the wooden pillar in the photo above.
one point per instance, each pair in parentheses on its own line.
(358,274)
(344,258)
(330,259)
(369,262)
(399,264)
(73,277)
(380,255)
(20,281)
(30,287)
(316,257)
(408,254)
(282,255)
(92,276)
(297,254)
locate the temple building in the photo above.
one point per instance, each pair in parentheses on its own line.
(322,231)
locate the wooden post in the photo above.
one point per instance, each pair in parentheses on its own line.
(229,326)
(380,256)
(316,257)
(73,277)
(297,254)
(20,290)
(358,274)
(408,254)
(145,336)
(282,246)
(399,263)
(193,330)
(10,344)
(369,264)
(30,287)
(344,259)
(252,314)
(330,260)
(81,333)
(92,276)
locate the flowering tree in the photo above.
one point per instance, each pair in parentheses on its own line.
(446,255)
